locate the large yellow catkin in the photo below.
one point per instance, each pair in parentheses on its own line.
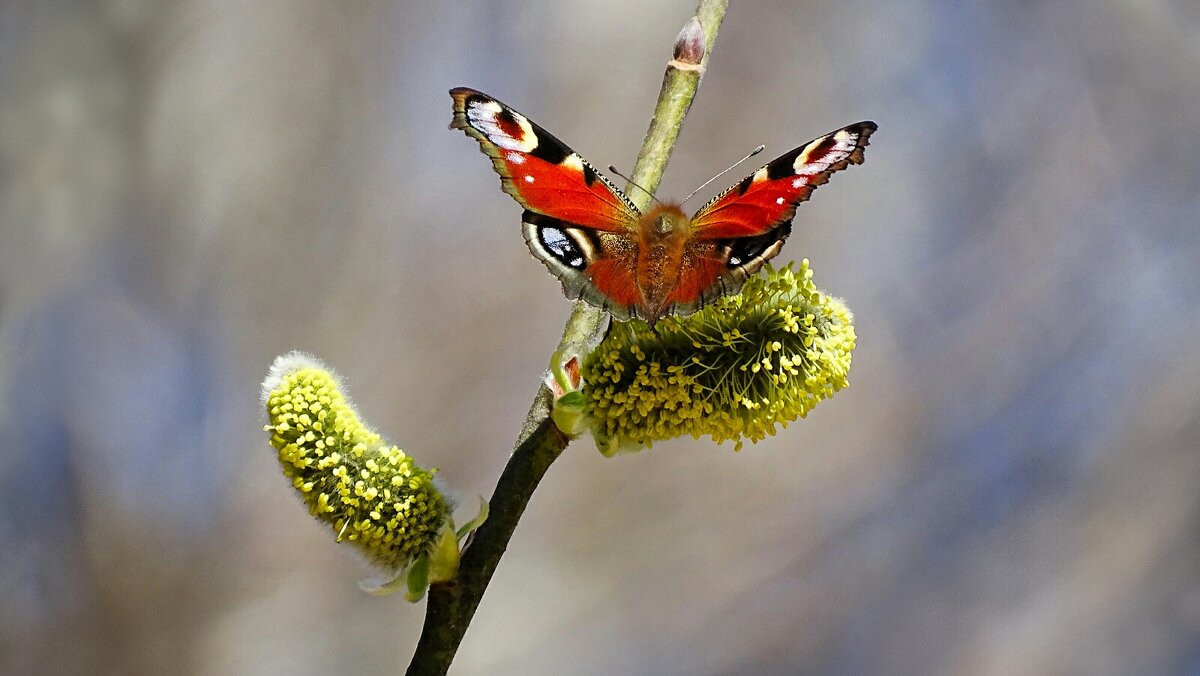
(735,370)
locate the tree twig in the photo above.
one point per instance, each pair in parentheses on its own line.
(452,605)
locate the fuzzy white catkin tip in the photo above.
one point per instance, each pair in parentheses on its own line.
(285,365)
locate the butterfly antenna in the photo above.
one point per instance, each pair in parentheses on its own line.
(628,180)
(731,168)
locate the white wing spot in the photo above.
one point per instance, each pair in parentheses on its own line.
(490,107)
(779,200)
(516,158)
(843,145)
(798,182)
(482,116)
(528,178)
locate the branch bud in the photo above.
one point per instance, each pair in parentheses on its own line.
(689,46)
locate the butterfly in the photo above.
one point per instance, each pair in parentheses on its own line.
(608,253)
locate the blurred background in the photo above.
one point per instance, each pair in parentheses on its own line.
(1010,486)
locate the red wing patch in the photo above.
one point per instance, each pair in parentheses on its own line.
(615,279)
(763,200)
(703,265)
(538,170)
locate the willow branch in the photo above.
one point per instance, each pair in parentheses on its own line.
(452,605)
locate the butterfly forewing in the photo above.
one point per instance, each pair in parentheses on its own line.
(763,200)
(539,171)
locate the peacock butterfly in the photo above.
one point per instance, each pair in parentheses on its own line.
(608,253)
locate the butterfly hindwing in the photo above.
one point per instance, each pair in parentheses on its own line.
(715,268)
(539,171)
(759,203)
(593,265)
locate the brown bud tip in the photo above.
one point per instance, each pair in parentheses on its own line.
(572,369)
(689,44)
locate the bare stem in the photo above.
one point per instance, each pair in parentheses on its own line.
(451,606)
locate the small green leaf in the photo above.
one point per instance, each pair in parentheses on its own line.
(568,413)
(471,525)
(443,559)
(418,579)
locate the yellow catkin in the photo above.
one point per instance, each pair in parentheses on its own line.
(735,370)
(368,491)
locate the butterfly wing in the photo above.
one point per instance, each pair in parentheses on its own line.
(575,221)
(538,170)
(745,226)
(595,266)
(716,268)
(762,201)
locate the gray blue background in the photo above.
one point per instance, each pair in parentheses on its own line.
(1010,485)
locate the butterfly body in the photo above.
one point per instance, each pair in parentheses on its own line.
(645,265)
(662,235)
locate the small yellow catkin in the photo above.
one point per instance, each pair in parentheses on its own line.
(367,490)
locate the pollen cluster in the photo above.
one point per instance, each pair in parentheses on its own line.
(368,491)
(735,370)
